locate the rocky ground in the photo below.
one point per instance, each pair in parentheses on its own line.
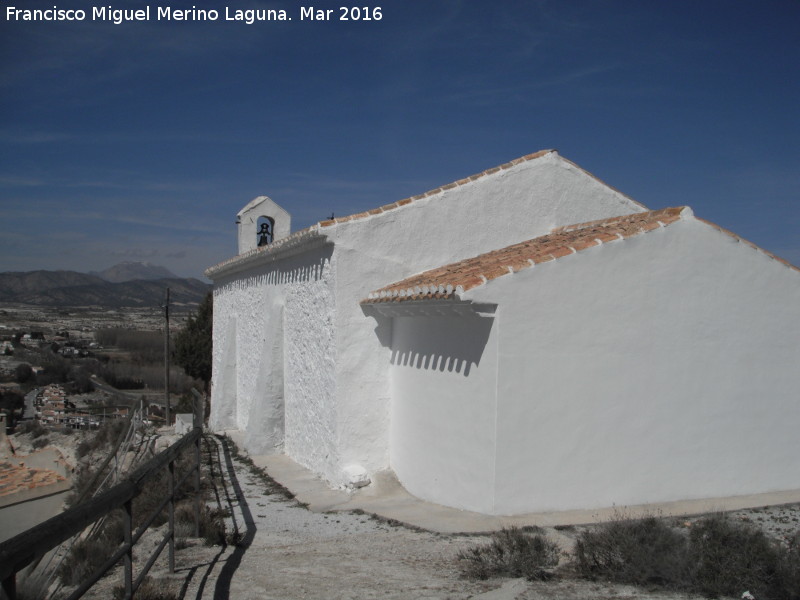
(286,551)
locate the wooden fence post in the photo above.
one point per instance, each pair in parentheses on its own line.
(199,405)
(197,486)
(171,511)
(127,523)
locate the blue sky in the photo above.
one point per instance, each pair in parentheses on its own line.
(141,141)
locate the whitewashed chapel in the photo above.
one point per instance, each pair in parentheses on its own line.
(573,350)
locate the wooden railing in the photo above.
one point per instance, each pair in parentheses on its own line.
(29,546)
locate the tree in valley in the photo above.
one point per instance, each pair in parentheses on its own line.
(192,345)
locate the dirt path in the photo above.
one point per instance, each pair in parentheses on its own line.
(288,552)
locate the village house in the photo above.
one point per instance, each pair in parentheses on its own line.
(525,339)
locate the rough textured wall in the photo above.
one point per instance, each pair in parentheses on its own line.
(309,363)
(273,347)
(658,368)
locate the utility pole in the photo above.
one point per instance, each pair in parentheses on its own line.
(166,357)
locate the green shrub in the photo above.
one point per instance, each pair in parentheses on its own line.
(40,442)
(155,491)
(729,558)
(101,441)
(511,552)
(718,557)
(643,551)
(23,373)
(150,589)
(87,554)
(33,427)
(790,567)
(212,523)
(83,448)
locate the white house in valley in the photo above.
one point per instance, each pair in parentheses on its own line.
(574,350)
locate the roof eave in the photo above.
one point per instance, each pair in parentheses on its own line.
(429,307)
(297,243)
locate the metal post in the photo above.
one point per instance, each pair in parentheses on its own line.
(127,524)
(171,506)
(166,357)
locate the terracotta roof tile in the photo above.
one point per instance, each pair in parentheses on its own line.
(456,278)
(443,188)
(783,261)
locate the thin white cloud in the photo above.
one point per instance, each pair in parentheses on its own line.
(139,185)
(128,181)
(161,136)
(33,137)
(176,222)
(135,252)
(11,181)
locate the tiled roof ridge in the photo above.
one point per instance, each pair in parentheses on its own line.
(609,221)
(438,190)
(739,238)
(454,279)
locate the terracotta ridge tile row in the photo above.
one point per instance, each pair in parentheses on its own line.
(433,192)
(738,238)
(454,279)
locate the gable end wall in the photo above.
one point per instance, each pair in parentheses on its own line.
(661,367)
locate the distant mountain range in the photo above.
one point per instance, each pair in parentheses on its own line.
(131,271)
(126,284)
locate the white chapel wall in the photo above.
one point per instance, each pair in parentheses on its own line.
(309,363)
(223,365)
(494,211)
(350,425)
(443,415)
(658,368)
(275,320)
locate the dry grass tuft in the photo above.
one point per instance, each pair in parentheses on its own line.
(511,553)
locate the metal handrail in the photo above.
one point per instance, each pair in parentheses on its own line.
(21,550)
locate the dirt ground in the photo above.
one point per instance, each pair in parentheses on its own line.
(288,552)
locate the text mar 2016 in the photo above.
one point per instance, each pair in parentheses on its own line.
(168,13)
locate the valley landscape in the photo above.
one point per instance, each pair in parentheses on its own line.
(89,333)
(138,285)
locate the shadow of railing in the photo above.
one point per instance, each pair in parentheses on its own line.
(223,585)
